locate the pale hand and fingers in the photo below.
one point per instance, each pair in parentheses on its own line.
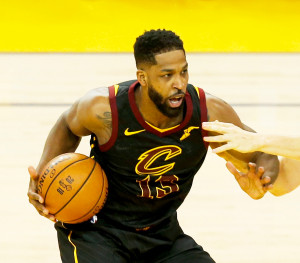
(253,182)
(234,137)
(34,198)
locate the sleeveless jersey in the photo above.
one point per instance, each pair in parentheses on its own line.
(149,170)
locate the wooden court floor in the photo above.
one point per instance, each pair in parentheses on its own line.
(263,88)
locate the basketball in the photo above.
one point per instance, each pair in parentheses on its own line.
(74,187)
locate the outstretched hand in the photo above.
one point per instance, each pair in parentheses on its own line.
(34,198)
(253,182)
(234,137)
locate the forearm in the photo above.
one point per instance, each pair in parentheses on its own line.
(280,145)
(60,140)
(288,177)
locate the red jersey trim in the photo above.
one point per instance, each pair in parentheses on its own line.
(203,110)
(138,116)
(114,116)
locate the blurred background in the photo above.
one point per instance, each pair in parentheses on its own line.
(245,52)
(112,26)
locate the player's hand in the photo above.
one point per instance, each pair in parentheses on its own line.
(234,137)
(34,198)
(253,182)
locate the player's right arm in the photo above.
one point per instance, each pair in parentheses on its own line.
(90,114)
(244,141)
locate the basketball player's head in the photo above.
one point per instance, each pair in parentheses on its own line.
(162,70)
(155,42)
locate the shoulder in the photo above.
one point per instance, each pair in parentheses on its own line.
(94,98)
(220,110)
(93,102)
(91,108)
(214,104)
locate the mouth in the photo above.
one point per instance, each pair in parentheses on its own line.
(176,101)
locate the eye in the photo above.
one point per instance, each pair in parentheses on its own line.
(166,76)
(184,71)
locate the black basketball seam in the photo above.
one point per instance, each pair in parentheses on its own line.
(96,201)
(76,191)
(59,174)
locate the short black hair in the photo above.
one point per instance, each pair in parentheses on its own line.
(155,42)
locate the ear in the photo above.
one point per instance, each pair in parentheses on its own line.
(141,77)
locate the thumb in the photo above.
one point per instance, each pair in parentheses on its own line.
(33,173)
(231,168)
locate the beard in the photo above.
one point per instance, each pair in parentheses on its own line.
(162,105)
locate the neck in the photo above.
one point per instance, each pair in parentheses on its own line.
(151,113)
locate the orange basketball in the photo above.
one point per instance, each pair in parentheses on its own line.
(74,187)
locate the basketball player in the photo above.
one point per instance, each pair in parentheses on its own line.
(244,141)
(147,136)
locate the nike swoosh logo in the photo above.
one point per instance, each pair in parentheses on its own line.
(129,133)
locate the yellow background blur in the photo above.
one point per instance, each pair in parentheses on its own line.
(112,26)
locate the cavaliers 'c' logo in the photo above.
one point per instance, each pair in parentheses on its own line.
(146,164)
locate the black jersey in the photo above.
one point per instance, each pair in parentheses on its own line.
(149,170)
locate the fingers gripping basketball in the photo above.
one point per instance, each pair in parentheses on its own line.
(74,187)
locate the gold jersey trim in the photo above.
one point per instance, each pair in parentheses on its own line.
(75,248)
(116,89)
(162,130)
(197,90)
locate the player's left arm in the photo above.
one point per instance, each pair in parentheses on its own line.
(256,171)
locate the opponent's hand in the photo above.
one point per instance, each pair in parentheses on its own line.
(234,137)
(253,182)
(34,198)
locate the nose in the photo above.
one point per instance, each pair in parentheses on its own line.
(179,83)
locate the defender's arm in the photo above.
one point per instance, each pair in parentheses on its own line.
(221,111)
